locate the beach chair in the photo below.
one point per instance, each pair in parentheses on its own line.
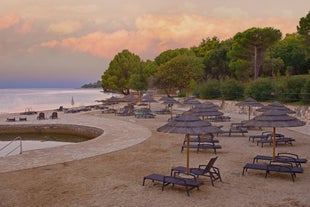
(10,119)
(206,142)
(187,183)
(22,119)
(282,157)
(54,115)
(274,166)
(235,128)
(208,170)
(41,116)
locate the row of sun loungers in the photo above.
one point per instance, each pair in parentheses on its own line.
(219,119)
(282,157)
(179,177)
(235,128)
(283,163)
(13,119)
(202,143)
(274,167)
(144,113)
(264,135)
(283,140)
(266,138)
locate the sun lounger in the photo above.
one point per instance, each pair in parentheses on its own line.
(10,119)
(282,157)
(230,132)
(274,167)
(219,119)
(284,140)
(144,113)
(199,146)
(187,183)
(208,170)
(202,142)
(22,119)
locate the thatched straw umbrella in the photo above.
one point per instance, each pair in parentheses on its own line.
(206,109)
(250,102)
(276,106)
(169,101)
(188,124)
(274,118)
(148,99)
(130,99)
(191,101)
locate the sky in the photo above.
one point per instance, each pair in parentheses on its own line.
(68,43)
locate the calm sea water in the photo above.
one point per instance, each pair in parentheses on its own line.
(19,100)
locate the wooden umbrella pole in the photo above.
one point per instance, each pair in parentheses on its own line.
(274,144)
(187,153)
(249,112)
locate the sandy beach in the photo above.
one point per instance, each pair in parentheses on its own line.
(109,171)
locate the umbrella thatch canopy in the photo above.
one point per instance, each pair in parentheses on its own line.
(276,106)
(112,100)
(206,109)
(188,124)
(250,102)
(191,102)
(274,118)
(129,98)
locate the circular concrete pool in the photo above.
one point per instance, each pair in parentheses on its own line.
(43,136)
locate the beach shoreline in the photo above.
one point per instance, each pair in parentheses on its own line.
(115,178)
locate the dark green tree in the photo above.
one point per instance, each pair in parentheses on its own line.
(121,68)
(292,52)
(205,46)
(304,25)
(304,30)
(170,54)
(139,80)
(251,45)
(216,61)
(179,73)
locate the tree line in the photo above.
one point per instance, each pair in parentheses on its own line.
(248,56)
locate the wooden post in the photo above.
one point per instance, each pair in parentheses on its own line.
(187,153)
(274,144)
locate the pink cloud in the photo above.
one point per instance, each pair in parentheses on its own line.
(8,21)
(102,44)
(155,34)
(25,28)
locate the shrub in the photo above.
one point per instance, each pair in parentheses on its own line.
(290,90)
(209,90)
(260,90)
(305,93)
(231,90)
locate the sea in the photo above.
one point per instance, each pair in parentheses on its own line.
(38,99)
(29,99)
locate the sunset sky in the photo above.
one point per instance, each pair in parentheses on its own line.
(68,43)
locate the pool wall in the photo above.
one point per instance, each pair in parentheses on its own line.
(85,131)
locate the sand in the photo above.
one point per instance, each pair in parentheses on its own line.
(115,177)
